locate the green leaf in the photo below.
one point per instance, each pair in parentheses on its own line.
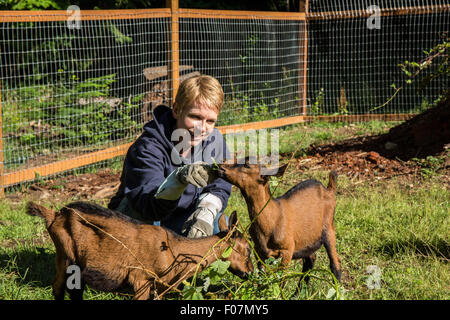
(216,271)
(227,252)
(206,284)
(192,293)
(220,266)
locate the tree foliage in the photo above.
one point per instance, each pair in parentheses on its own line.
(258,5)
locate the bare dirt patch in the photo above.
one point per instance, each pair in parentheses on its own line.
(413,149)
(99,186)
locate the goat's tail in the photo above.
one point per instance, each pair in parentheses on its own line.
(34,209)
(332,183)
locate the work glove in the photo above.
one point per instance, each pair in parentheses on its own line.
(200,223)
(199,174)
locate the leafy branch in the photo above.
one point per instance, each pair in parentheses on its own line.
(436,56)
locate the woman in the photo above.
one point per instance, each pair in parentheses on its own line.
(167,175)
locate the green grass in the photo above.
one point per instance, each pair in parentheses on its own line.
(402,230)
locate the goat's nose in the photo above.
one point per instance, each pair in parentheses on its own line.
(220,172)
(244,275)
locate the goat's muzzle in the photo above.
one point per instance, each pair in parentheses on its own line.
(241,274)
(221,172)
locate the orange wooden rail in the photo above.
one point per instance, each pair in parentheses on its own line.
(383,12)
(63,165)
(85,15)
(240,15)
(62,15)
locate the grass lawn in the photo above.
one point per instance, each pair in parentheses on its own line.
(392,238)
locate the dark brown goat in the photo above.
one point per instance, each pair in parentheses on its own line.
(292,226)
(113,250)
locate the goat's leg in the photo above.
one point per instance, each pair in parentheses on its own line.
(330,246)
(142,289)
(286,257)
(76,294)
(263,253)
(59,282)
(308,264)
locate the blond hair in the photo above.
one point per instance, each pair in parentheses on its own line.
(204,90)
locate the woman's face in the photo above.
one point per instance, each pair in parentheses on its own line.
(198,120)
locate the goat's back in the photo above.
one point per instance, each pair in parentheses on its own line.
(110,246)
(105,244)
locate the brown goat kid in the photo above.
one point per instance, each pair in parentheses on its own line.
(292,226)
(113,250)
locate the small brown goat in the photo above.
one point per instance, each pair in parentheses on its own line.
(113,250)
(292,226)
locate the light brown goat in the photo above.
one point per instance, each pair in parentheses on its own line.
(113,250)
(292,226)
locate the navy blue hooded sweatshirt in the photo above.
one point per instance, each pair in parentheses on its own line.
(149,161)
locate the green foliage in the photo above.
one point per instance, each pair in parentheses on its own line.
(272,283)
(97,121)
(42,103)
(430,165)
(436,59)
(212,275)
(263,284)
(434,66)
(63,4)
(317,105)
(77,113)
(33,4)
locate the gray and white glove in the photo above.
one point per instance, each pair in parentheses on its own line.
(199,174)
(200,223)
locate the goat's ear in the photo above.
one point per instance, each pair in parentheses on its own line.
(223,223)
(281,170)
(232,220)
(275,172)
(251,160)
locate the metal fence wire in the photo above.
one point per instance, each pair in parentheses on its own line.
(256,60)
(355,48)
(76,92)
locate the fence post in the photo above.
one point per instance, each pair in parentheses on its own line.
(174,54)
(303,67)
(2,190)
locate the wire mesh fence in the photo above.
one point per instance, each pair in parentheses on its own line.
(355,49)
(255,59)
(78,91)
(71,90)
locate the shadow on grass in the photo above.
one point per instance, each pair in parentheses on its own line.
(437,247)
(34,265)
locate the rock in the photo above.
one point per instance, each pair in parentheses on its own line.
(390,146)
